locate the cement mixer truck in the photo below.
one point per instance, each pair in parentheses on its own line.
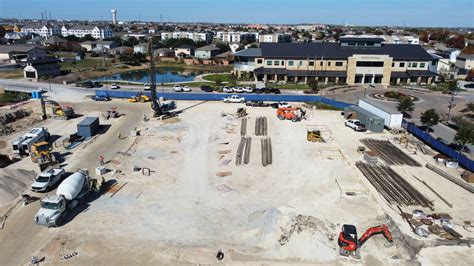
(55,207)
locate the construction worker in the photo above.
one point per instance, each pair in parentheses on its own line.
(119,135)
(101,160)
(220,255)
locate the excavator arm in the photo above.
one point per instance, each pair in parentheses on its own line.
(376,230)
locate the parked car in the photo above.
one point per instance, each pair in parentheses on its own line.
(186,89)
(237,89)
(177,88)
(355,124)
(459,147)
(248,89)
(101,98)
(227,89)
(88,84)
(206,88)
(97,84)
(146,86)
(280,105)
(114,86)
(258,91)
(469,86)
(274,90)
(234,99)
(443,141)
(257,104)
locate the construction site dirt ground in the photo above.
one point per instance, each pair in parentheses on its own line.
(179,197)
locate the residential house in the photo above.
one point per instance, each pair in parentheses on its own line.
(43,30)
(441,64)
(121,50)
(98,46)
(225,58)
(206,52)
(15,37)
(465,61)
(164,52)
(97,32)
(140,48)
(21,51)
(54,40)
(40,67)
(184,51)
(234,46)
(451,52)
(351,60)
(237,37)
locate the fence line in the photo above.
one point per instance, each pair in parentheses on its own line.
(463,160)
(219,96)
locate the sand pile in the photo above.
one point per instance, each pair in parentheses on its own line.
(12,184)
(285,235)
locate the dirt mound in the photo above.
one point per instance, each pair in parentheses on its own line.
(14,115)
(12,184)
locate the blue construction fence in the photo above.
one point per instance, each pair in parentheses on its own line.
(434,143)
(190,96)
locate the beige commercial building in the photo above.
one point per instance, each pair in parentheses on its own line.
(351,61)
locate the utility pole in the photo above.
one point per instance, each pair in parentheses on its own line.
(451,104)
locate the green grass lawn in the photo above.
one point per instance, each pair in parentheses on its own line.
(222,77)
(322,106)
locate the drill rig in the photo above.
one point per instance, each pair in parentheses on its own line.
(350,245)
(162,111)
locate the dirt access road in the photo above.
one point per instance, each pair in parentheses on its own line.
(21,236)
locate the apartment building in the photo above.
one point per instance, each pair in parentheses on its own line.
(274,37)
(195,36)
(351,60)
(98,32)
(43,30)
(237,36)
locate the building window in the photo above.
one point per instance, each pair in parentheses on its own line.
(290,63)
(339,63)
(433,63)
(311,63)
(402,64)
(329,63)
(414,65)
(282,63)
(393,64)
(369,64)
(259,61)
(321,63)
(269,63)
(277,63)
(301,63)
(422,65)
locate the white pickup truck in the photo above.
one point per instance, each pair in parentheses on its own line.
(234,99)
(355,124)
(47,179)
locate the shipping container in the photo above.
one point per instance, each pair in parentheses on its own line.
(391,116)
(88,127)
(371,121)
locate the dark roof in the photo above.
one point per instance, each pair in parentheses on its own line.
(208,48)
(227,54)
(185,46)
(361,39)
(336,51)
(299,73)
(42,61)
(250,52)
(164,51)
(19,48)
(466,56)
(421,73)
(399,74)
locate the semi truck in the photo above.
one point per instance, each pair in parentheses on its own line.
(70,192)
(47,179)
(22,145)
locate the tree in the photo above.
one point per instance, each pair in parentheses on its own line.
(313,85)
(405,104)
(465,134)
(457,42)
(218,81)
(223,46)
(429,118)
(87,37)
(468,50)
(470,106)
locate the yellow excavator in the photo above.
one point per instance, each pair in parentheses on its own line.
(58,111)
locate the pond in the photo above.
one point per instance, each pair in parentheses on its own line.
(162,76)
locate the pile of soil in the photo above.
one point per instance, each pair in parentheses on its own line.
(13,182)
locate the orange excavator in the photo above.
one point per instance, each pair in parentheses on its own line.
(350,245)
(291,113)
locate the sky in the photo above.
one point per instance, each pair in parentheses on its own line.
(429,13)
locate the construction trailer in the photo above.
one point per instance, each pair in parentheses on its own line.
(22,145)
(391,116)
(88,127)
(371,121)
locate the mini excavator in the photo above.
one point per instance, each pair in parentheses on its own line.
(350,245)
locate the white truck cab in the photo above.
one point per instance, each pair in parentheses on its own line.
(234,99)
